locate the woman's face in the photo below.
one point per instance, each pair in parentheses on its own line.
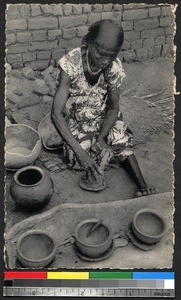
(100,57)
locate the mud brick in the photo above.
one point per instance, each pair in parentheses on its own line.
(67,9)
(97,8)
(43,55)
(16,25)
(29,56)
(121,55)
(148,42)
(13,12)
(141,54)
(43,45)
(167,11)
(107,7)
(28,73)
(43,23)
(18,48)
(129,55)
(87,8)
(23,37)
(24,10)
(134,5)
(70,44)
(82,30)
(54,33)
(26,101)
(165,50)
(118,7)
(10,38)
(14,58)
(69,33)
(126,45)
(94,17)
(150,33)
(39,35)
(154,12)
(135,14)
(166,21)
(154,52)
(160,40)
(137,44)
(77,9)
(170,30)
(17,65)
(131,35)
(73,21)
(57,9)
(35,10)
(114,15)
(16,73)
(127,25)
(38,65)
(47,8)
(57,54)
(146,24)
(169,39)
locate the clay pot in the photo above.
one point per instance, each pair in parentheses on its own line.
(36,249)
(95,244)
(31,188)
(148,226)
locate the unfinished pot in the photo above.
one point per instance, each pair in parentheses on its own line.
(23,145)
(95,244)
(148,226)
(31,188)
(36,249)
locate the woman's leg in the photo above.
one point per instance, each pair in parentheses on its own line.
(130,164)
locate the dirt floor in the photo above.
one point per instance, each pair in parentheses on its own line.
(147,105)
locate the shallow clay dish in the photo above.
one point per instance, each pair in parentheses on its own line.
(97,243)
(36,249)
(23,145)
(148,226)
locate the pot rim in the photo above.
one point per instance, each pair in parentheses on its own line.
(29,168)
(110,237)
(36,231)
(152,211)
(19,154)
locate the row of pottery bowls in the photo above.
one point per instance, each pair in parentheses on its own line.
(37,248)
(31,187)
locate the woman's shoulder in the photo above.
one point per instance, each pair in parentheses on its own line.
(74,56)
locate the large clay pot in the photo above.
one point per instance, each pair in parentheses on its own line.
(31,188)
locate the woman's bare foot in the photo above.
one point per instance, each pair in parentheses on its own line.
(146,192)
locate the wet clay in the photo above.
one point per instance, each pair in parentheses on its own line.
(36,246)
(19,150)
(149,224)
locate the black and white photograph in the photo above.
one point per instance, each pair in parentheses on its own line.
(89,136)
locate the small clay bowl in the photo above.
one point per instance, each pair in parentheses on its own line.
(148,226)
(97,243)
(36,249)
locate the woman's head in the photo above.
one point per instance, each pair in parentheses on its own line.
(106,34)
(104,40)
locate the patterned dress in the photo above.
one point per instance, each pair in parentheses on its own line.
(85,108)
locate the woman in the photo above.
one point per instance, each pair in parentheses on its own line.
(85,111)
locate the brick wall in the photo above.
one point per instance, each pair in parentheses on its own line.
(38,35)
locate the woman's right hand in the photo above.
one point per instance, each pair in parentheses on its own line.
(87,163)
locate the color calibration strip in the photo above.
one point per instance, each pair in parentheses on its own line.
(104,284)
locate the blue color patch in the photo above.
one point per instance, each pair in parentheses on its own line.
(153,275)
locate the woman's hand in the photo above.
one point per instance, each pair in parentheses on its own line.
(88,164)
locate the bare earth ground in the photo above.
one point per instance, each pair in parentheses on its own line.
(148,117)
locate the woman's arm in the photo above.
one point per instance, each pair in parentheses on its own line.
(62,127)
(111,113)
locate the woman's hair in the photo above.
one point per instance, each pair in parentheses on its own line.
(95,29)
